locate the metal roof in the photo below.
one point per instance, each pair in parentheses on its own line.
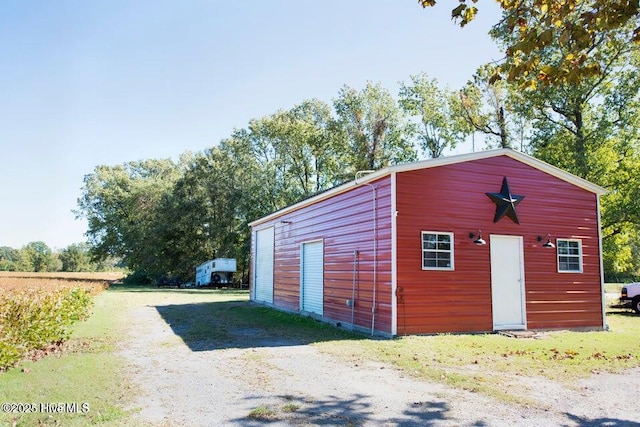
(441,161)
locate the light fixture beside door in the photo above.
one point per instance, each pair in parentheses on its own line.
(477,238)
(548,244)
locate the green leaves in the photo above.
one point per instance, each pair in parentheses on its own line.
(529,27)
(374,127)
(486,104)
(76,257)
(439,126)
(121,204)
(163,218)
(34,319)
(464,13)
(35,256)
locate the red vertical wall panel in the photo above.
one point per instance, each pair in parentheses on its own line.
(344,222)
(447,198)
(451,198)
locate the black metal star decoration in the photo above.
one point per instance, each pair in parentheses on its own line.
(505,202)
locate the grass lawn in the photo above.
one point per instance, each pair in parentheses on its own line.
(87,378)
(482,362)
(92,373)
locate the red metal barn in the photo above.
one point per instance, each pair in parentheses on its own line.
(494,240)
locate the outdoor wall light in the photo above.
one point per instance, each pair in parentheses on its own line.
(477,238)
(548,243)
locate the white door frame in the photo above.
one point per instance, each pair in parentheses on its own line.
(263,292)
(508,298)
(320,311)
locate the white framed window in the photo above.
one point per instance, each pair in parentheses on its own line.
(569,255)
(437,250)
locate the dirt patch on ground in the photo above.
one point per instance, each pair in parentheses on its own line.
(245,376)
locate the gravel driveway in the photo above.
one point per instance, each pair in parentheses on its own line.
(252,380)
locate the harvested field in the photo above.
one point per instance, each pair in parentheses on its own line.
(11,281)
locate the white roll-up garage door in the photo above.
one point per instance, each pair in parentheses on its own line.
(263,279)
(312,275)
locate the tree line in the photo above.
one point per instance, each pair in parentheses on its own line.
(38,257)
(163,217)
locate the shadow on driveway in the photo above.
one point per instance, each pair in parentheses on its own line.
(239,324)
(601,422)
(355,410)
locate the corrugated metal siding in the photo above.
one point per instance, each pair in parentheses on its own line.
(452,198)
(345,224)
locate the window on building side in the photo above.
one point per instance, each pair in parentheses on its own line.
(569,255)
(437,251)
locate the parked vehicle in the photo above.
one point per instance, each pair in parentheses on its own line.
(165,281)
(217,272)
(630,294)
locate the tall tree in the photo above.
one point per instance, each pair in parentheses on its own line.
(570,107)
(36,256)
(120,204)
(575,26)
(306,140)
(440,125)
(298,150)
(76,257)
(8,258)
(588,127)
(198,219)
(374,126)
(488,109)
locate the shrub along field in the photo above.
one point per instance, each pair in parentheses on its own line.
(91,371)
(81,382)
(38,310)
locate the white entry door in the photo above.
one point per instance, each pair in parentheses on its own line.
(312,278)
(507,282)
(263,277)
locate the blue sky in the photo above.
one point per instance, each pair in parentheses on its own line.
(87,83)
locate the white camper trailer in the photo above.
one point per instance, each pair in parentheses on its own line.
(216,272)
